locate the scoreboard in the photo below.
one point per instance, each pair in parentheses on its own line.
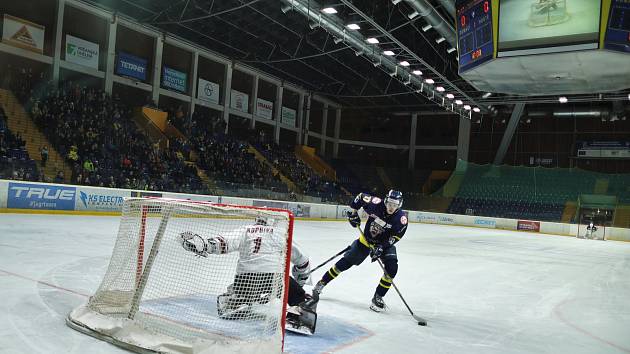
(618,30)
(474,32)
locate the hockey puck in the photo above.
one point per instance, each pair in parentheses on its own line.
(420,323)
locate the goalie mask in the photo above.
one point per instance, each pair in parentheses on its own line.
(393,201)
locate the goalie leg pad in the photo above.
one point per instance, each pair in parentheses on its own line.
(301,320)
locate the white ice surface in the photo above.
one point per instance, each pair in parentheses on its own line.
(482,291)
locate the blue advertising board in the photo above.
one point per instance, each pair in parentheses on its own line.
(173,79)
(40,196)
(131,66)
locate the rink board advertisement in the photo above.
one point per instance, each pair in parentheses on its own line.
(40,196)
(528,225)
(98,199)
(54,197)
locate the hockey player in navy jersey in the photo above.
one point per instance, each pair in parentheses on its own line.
(385,226)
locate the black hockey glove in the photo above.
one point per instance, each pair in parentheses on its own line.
(376,252)
(354,219)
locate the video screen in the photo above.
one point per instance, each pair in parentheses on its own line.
(528,24)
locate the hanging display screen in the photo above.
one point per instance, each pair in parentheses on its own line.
(542,26)
(474,33)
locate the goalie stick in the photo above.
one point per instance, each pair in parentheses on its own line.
(421,321)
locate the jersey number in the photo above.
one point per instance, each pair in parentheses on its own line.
(257,242)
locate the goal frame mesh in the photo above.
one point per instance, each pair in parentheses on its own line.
(108,329)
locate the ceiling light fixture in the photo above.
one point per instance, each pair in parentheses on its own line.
(388,52)
(417,72)
(476,110)
(353,26)
(413,15)
(329,10)
(426,28)
(429,81)
(486,95)
(395,2)
(404,63)
(467,107)
(459,102)
(440,40)
(372,40)
(563,99)
(440,89)
(286,8)
(450,50)
(450,96)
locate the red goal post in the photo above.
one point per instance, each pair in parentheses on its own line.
(156,295)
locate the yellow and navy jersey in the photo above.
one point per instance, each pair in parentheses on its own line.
(380,225)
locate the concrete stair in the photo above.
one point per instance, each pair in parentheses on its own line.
(19,121)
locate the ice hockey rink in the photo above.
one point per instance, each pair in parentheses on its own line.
(482,291)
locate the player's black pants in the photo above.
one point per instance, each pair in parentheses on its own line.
(357,253)
(297,294)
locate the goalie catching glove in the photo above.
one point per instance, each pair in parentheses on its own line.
(194,243)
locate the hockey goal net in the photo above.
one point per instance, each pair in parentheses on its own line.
(592,231)
(158,296)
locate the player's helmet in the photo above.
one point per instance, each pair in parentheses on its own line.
(261,220)
(393,201)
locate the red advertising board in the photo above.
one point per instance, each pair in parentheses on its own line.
(527,225)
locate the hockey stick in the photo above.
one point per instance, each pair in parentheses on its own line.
(328,260)
(421,321)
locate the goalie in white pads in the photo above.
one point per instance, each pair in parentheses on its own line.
(256,271)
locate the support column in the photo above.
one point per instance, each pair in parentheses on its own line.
(58,37)
(412,141)
(322,145)
(157,68)
(226,95)
(509,132)
(337,132)
(110,62)
(252,124)
(307,119)
(279,94)
(300,116)
(193,85)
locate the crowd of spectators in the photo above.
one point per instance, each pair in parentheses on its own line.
(98,137)
(15,163)
(307,180)
(227,160)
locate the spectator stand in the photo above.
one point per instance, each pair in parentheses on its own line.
(23,124)
(15,163)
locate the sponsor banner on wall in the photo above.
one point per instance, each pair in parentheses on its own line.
(23,34)
(82,52)
(191,197)
(288,116)
(131,66)
(528,225)
(100,199)
(173,79)
(264,108)
(489,223)
(40,196)
(239,101)
(208,91)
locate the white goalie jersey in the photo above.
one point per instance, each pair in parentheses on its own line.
(258,247)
